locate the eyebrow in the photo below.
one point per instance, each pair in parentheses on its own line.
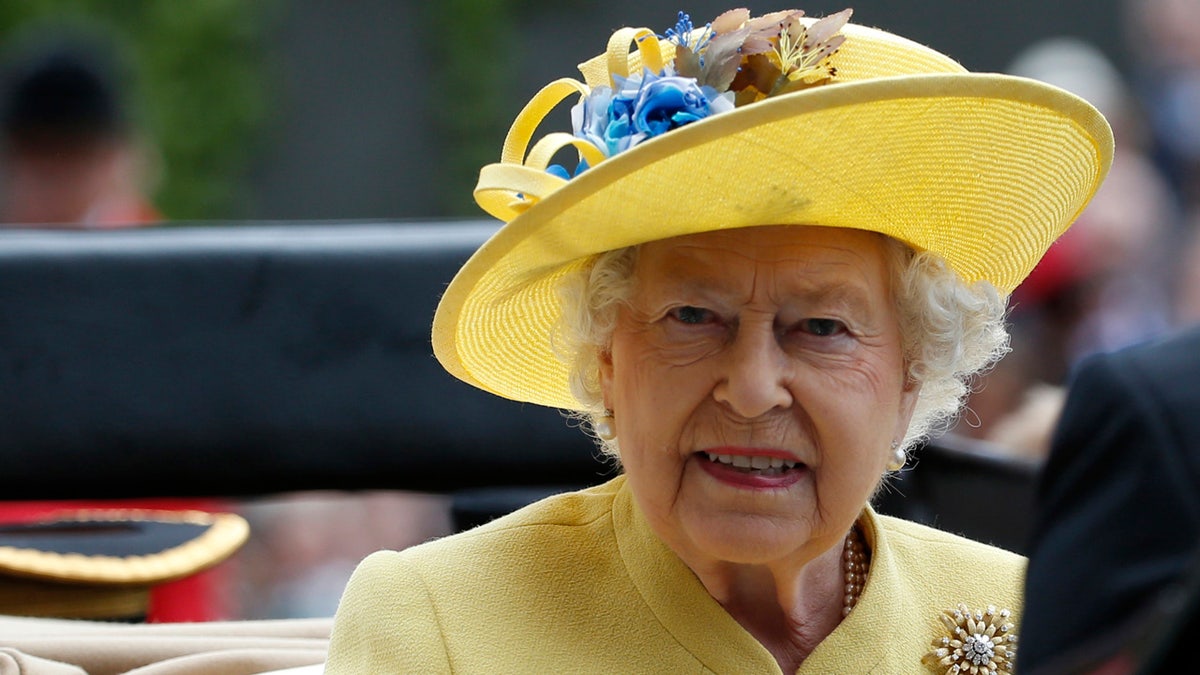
(852,296)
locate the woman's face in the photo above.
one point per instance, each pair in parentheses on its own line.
(757,383)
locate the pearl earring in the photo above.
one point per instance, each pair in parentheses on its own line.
(899,457)
(605,426)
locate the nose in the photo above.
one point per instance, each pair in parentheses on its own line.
(754,377)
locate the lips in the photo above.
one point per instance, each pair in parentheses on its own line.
(759,469)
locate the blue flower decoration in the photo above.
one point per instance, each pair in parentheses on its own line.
(561,171)
(682,30)
(681,34)
(666,103)
(643,107)
(649,104)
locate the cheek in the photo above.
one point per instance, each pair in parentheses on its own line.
(646,379)
(854,444)
(854,411)
(654,401)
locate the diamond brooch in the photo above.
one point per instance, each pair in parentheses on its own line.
(979,642)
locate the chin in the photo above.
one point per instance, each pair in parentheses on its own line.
(750,540)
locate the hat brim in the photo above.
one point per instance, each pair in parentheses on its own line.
(139,547)
(984,169)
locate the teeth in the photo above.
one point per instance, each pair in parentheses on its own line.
(756,462)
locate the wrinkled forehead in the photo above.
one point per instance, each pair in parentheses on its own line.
(794,244)
(797,259)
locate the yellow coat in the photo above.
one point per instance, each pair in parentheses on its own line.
(579,584)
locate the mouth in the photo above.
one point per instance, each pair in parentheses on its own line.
(753,464)
(755,469)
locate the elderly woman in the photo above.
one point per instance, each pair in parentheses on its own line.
(785,249)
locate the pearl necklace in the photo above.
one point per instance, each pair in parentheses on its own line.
(854,569)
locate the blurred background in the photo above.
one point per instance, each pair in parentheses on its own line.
(220,112)
(298,109)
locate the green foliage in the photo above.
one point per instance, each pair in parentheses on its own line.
(474,83)
(198,95)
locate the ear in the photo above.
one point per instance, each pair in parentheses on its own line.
(604,358)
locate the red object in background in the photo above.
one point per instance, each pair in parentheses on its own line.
(1059,269)
(199,597)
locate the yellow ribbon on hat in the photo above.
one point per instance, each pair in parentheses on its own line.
(618,51)
(509,187)
(519,180)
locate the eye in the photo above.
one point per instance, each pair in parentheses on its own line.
(822,327)
(691,315)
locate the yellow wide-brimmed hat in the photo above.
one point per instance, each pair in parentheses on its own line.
(821,124)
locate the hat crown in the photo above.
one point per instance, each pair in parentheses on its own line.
(848,53)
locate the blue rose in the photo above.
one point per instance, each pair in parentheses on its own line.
(666,103)
(621,134)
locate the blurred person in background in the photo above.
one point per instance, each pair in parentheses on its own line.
(69,155)
(1103,285)
(1164,41)
(1114,543)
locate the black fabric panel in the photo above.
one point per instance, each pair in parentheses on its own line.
(230,361)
